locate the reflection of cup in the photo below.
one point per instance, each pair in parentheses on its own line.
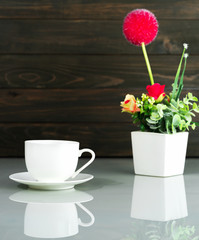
(159,199)
(53,214)
(52,220)
(54,160)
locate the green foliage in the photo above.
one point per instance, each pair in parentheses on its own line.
(178,83)
(169,116)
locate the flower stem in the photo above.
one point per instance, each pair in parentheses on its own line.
(147,63)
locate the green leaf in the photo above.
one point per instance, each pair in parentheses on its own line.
(179,89)
(151,121)
(191,97)
(174,109)
(177,76)
(185,100)
(168,125)
(195,107)
(188,117)
(193,126)
(176,120)
(142,127)
(153,127)
(182,125)
(181,80)
(160,108)
(192,114)
(187,126)
(155,116)
(141,110)
(181,105)
(173,129)
(174,103)
(197,123)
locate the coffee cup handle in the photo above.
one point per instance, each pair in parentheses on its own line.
(85,165)
(90,215)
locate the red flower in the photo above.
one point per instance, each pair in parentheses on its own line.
(157,91)
(140,26)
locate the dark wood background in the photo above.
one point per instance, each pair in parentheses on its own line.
(65,66)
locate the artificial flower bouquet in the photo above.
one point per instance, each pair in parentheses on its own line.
(155,110)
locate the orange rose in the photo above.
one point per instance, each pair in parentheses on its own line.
(129,105)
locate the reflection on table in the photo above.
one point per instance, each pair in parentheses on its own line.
(53,214)
(159,210)
(159,199)
(125,206)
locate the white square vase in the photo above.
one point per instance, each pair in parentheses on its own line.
(157,154)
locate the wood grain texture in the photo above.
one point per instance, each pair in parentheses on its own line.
(65,66)
(65,105)
(91,37)
(94,136)
(60,105)
(106,139)
(90,9)
(92,71)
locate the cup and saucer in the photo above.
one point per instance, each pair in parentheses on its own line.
(51,165)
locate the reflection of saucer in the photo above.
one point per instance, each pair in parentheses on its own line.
(27,179)
(53,214)
(69,196)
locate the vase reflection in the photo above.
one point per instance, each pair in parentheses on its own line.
(53,214)
(159,210)
(159,199)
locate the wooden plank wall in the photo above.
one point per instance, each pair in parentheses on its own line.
(65,66)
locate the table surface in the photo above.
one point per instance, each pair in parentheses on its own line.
(114,205)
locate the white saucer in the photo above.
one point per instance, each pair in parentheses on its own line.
(67,196)
(27,179)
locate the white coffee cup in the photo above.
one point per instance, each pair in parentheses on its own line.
(54,160)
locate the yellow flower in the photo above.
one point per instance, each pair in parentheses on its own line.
(129,104)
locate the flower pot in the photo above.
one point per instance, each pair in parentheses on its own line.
(157,154)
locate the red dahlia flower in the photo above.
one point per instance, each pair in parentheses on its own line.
(140,26)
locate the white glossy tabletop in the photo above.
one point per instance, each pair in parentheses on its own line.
(114,205)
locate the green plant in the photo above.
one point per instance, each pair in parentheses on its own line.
(157,112)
